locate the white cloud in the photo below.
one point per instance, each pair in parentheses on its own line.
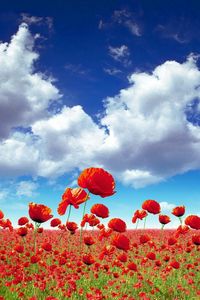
(25,95)
(112,71)
(149,136)
(68,140)
(3,195)
(28,19)
(139,178)
(166,206)
(120,54)
(19,155)
(125,18)
(26,188)
(143,135)
(133,27)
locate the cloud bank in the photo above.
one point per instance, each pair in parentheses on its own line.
(143,136)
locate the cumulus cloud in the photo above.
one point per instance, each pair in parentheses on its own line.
(143,136)
(25,94)
(26,188)
(19,155)
(167,206)
(150,138)
(68,140)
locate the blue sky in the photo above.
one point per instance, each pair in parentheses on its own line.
(113,84)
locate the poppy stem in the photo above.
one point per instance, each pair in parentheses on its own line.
(137,224)
(180,219)
(145,222)
(161,232)
(84,209)
(35,234)
(70,207)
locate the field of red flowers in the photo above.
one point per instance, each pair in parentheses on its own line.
(93,261)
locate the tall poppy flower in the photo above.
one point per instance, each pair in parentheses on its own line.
(100,210)
(97,181)
(23,221)
(117,224)
(55,222)
(72,226)
(72,197)
(90,219)
(39,213)
(193,221)
(151,206)
(139,214)
(178,211)
(164,219)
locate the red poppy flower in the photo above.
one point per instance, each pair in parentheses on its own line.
(22,231)
(117,224)
(151,206)
(88,259)
(193,221)
(144,239)
(55,222)
(163,219)
(72,226)
(139,214)
(172,241)
(40,230)
(23,221)
(122,257)
(182,229)
(88,240)
(73,197)
(90,219)
(151,256)
(39,213)
(120,241)
(100,210)
(1,214)
(132,266)
(34,259)
(97,181)
(178,211)
(47,247)
(175,264)
(6,224)
(19,248)
(196,239)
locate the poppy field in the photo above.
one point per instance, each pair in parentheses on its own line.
(93,261)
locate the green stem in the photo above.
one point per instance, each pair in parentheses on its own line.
(62,233)
(84,209)
(137,224)
(70,207)
(145,222)
(180,219)
(161,232)
(35,234)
